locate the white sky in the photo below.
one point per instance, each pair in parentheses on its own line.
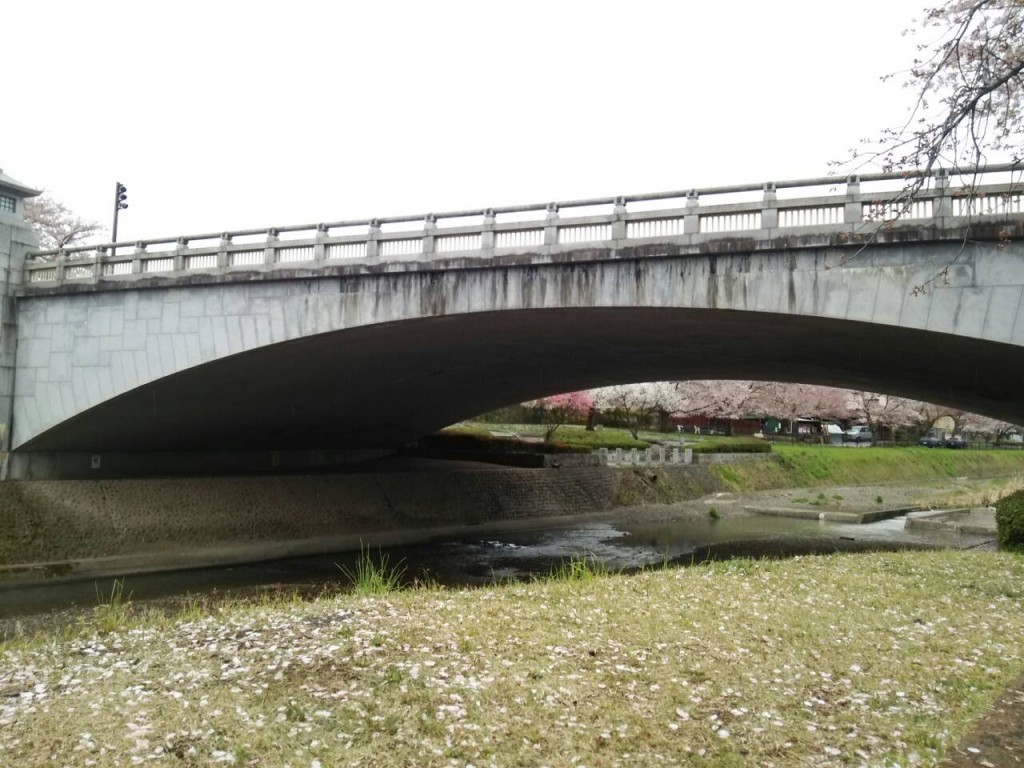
(224,115)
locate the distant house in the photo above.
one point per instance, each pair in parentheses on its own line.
(708,425)
(808,429)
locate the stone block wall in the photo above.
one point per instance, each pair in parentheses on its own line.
(16,239)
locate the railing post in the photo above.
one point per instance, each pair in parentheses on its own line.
(222,251)
(942,206)
(853,208)
(429,239)
(270,250)
(58,274)
(319,246)
(691,221)
(551,225)
(137,255)
(769,207)
(619,222)
(373,240)
(136,263)
(487,231)
(97,266)
(181,248)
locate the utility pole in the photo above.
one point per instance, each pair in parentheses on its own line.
(120,195)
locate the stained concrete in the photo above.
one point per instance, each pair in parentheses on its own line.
(376,353)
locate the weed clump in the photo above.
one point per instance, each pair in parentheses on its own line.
(111,613)
(372,576)
(578,568)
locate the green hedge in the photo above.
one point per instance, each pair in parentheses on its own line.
(732,446)
(1010,521)
(470,441)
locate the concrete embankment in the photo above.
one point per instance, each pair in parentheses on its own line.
(74,529)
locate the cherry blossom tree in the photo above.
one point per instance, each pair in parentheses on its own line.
(55,224)
(882,411)
(563,409)
(790,401)
(727,399)
(636,404)
(968,86)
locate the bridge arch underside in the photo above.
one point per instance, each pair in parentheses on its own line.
(381,386)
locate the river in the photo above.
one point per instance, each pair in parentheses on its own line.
(490,554)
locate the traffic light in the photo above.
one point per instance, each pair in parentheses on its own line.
(120,196)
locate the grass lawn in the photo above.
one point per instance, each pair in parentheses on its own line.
(878,659)
(816,466)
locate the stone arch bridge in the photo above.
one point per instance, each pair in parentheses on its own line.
(245,350)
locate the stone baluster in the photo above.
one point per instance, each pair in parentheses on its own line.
(853,208)
(487,232)
(139,255)
(59,266)
(320,244)
(769,207)
(619,222)
(691,221)
(223,256)
(373,240)
(551,225)
(136,261)
(270,249)
(429,243)
(942,206)
(180,255)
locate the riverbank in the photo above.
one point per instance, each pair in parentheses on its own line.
(66,530)
(875,659)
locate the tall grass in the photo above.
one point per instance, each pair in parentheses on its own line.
(578,568)
(112,611)
(374,576)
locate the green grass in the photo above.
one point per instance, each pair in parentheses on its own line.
(811,466)
(112,611)
(578,568)
(880,659)
(373,575)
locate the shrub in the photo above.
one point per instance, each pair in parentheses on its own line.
(479,443)
(1010,521)
(732,446)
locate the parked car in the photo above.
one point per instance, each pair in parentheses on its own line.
(931,441)
(858,434)
(956,442)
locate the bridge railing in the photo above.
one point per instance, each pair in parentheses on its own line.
(948,198)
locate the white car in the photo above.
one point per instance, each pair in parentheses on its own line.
(858,434)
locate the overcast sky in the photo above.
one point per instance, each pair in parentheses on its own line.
(223,115)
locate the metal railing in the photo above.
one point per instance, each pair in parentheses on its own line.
(689,220)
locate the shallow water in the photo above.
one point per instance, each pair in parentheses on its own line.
(498,554)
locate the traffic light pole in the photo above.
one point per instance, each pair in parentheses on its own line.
(119,203)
